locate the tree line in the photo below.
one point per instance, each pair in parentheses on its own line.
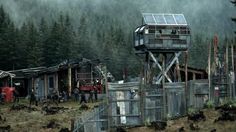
(51,42)
(48,42)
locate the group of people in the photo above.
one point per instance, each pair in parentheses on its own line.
(81,95)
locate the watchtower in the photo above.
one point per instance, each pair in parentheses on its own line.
(161,39)
(165,35)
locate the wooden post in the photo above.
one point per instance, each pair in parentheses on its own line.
(76,72)
(109,111)
(45,85)
(209,72)
(178,71)
(163,87)
(91,73)
(56,83)
(142,98)
(69,80)
(32,84)
(233,85)
(186,80)
(194,76)
(229,91)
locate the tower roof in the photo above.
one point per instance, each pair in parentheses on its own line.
(164,19)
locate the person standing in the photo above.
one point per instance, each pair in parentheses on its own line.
(83,98)
(96,93)
(64,94)
(91,96)
(76,94)
(32,97)
(16,95)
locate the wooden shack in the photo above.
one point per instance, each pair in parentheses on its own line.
(61,77)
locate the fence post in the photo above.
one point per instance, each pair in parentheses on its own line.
(109,111)
(209,72)
(186,80)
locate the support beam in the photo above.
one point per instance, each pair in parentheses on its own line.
(154,59)
(178,71)
(172,61)
(164,90)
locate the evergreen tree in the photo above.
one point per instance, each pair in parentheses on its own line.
(43,37)
(33,47)
(52,55)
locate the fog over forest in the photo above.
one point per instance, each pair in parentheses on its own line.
(204,15)
(99,29)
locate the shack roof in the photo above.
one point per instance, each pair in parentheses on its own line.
(4,74)
(29,72)
(162,19)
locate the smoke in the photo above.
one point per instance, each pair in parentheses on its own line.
(203,16)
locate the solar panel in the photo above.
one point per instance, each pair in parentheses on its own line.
(164,19)
(170,19)
(180,19)
(159,19)
(148,18)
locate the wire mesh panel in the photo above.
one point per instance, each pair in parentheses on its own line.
(124,104)
(94,121)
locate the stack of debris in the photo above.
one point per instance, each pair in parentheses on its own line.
(158,125)
(53,110)
(227,112)
(197,116)
(22,107)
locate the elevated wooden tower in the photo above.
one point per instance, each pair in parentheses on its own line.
(160,40)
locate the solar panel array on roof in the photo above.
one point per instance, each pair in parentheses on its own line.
(164,19)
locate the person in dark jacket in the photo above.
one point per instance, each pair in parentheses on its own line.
(33,98)
(76,94)
(16,96)
(90,96)
(83,98)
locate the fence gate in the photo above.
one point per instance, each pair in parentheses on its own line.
(198,93)
(153,103)
(176,101)
(124,104)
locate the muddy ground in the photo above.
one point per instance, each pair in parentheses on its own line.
(183,124)
(36,119)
